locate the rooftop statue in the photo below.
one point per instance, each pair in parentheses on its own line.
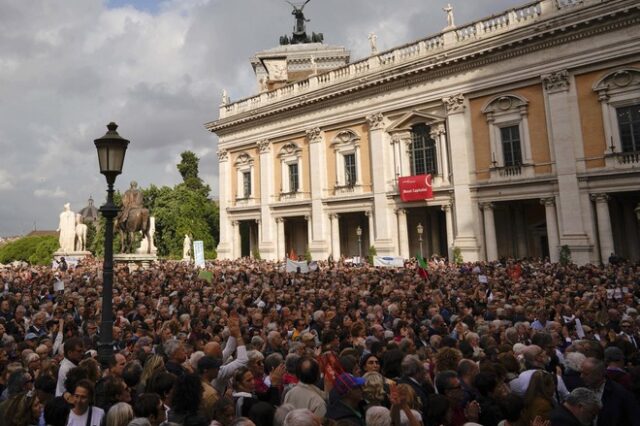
(299,30)
(300,19)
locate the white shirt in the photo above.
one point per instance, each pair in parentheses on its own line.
(65,366)
(96,417)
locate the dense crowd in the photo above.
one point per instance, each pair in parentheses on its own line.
(509,343)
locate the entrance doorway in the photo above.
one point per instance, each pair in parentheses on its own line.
(433,240)
(625,225)
(521,229)
(349,223)
(296,237)
(248,237)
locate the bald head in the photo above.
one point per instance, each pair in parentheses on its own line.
(213,349)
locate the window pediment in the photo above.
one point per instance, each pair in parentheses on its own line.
(244,159)
(290,150)
(505,104)
(620,80)
(405,122)
(345,139)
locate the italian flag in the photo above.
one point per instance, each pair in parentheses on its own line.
(422,267)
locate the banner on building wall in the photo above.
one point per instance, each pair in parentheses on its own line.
(415,188)
(198,253)
(388,261)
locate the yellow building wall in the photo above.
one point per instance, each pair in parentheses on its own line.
(540,149)
(593,137)
(365,155)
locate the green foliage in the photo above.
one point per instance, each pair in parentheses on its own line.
(372,252)
(188,168)
(96,244)
(307,255)
(457,256)
(37,250)
(565,255)
(256,254)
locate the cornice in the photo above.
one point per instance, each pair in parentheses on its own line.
(469,57)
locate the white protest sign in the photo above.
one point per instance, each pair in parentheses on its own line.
(198,253)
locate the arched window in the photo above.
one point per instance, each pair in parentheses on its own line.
(423,151)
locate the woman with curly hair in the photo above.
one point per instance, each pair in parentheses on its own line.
(447,359)
(186,397)
(374,390)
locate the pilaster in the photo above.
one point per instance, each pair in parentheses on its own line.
(318,233)
(561,105)
(491,241)
(460,142)
(605,234)
(225,248)
(266,243)
(552,228)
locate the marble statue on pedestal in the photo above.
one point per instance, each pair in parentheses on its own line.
(145,247)
(81,234)
(67,229)
(186,248)
(449,11)
(373,42)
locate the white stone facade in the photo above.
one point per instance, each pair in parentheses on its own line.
(525,113)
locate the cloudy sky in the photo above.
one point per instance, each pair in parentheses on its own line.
(157,68)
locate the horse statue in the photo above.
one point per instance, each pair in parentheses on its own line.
(81,234)
(136,220)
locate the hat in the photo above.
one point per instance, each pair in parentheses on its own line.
(30,336)
(345,382)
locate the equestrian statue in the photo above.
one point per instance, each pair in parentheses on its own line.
(133,217)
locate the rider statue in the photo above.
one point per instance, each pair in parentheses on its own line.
(132,199)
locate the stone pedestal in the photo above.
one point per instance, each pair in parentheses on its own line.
(135,261)
(78,255)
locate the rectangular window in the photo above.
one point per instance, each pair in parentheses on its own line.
(293,177)
(511,145)
(350,176)
(629,126)
(246,184)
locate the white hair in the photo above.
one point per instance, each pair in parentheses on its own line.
(301,417)
(574,360)
(378,416)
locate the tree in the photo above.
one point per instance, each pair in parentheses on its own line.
(188,168)
(37,250)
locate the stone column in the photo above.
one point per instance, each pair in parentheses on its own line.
(552,228)
(281,246)
(630,225)
(403,235)
(405,148)
(434,220)
(371,223)
(318,234)
(266,225)
(446,208)
(605,233)
(237,240)
(461,144)
(309,230)
(335,236)
(564,134)
(380,222)
(490,232)
(438,134)
(225,245)
(259,228)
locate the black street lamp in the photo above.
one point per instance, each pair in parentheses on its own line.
(111,149)
(420,230)
(359,234)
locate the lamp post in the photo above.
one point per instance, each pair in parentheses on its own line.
(420,230)
(111,149)
(359,234)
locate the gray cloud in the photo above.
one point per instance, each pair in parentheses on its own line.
(68,67)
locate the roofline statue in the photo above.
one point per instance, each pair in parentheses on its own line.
(299,35)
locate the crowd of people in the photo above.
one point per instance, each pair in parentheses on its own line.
(501,343)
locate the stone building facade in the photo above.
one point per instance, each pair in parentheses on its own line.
(528,122)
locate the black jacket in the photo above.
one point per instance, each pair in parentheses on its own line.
(619,406)
(339,411)
(560,416)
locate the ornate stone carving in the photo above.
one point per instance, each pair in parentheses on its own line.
(548,202)
(314,135)
(235,223)
(263,146)
(400,212)
(376,121)
(223,155)
(437,130)
(446,207)
(454,103)
(600,197)
(486,206)
(556,81)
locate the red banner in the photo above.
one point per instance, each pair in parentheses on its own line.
(415,188)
